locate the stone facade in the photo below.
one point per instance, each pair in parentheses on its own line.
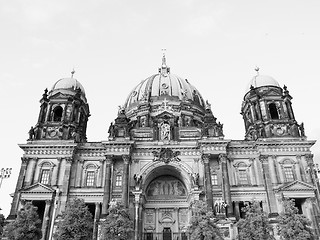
(166,149)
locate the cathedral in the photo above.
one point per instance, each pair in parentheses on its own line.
(166,149)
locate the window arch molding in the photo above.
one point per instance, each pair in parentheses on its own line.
(242,170)
(288,169)
(45,172)
(90,173)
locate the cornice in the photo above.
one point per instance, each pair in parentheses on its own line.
(57,148)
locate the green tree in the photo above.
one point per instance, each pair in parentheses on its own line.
(118,224)
(76,222)
(255,225)
(202,223)
(27,225)
(2,221)
(292,225)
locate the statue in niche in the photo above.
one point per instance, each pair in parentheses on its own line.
(165,131)
(143,121)
(31,133)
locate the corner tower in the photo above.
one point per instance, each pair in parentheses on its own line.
(267,110)
(64,113)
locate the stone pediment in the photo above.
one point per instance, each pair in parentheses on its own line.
(59,95)
(38,188)
(296,186)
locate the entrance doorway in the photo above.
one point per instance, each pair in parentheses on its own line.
(167,234)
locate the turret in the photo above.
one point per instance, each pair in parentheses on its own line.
(64,113)
(267,110)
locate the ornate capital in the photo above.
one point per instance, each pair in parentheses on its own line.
(68,160)
(126,159)
(109,159)
(274,157)
(298,156)
(223,157)
(205,158)
(309,158)
(48,201)
(263,158)
(25,160)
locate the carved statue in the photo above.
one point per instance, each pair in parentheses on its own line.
(195,179)
(31,133)
(121,110)
(165,131)
(111,130)
(301,128)
(219,206)
(138,181)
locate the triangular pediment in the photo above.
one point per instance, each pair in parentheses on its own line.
(38,188)
(297,186)
(59,95)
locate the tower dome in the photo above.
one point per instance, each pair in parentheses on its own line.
(68,86)
(262,81)
(163,85)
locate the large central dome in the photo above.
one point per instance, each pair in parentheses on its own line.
(163,84)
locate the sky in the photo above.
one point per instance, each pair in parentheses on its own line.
(114,45)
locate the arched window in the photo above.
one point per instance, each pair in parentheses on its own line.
(46,169)
(57,114)
(90,175)
(243,173)
(273,111)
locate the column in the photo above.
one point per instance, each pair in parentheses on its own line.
(106,194)
(125,179)
(45,221)
(65,183)
(79,172)
(30,171)
(237,210)
(309,160)
(96,221)
(300,165)
(100,173)
(16,197)
(58,171)
(273,174)
(226,183)
(208,184)
(136,214)
(272,205)
(253,172)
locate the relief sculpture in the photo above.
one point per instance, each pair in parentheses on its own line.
(160,188)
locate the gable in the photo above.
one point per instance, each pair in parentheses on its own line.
(38,188)
(297,186)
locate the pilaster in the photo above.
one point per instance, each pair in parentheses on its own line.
(106,195)
(226,183)
(125,180)
(16,197)
(46,218)
(208,184)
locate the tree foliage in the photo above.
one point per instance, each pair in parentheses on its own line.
(292,225)
(202,223)
(2,221)
(27,225)
(76,222)
(118,224)
(255,225)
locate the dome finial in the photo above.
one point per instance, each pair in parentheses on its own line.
(164,70)
(257,70)
(72,72)
(164,64)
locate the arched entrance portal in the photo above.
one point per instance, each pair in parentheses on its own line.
(167,198)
